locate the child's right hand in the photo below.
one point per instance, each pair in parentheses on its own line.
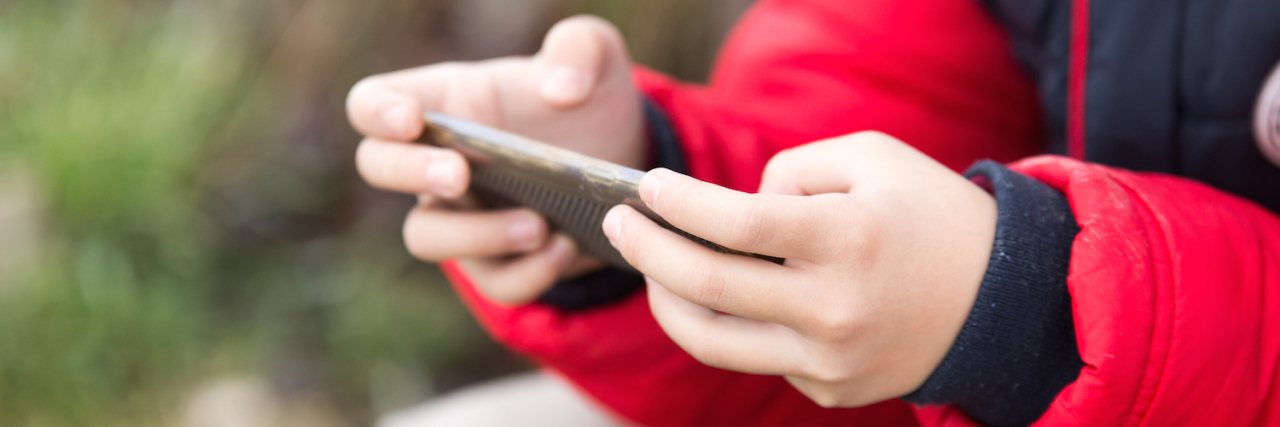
(576,93)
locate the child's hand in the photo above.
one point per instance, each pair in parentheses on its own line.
(885,251)
(577,93)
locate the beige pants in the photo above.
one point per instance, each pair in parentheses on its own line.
(532,399)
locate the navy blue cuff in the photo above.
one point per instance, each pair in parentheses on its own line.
(664,145)
(611,284)
(1017,349)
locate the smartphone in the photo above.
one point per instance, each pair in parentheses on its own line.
(572,191)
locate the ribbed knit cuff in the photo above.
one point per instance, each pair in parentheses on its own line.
(611,284)
(665,151)
(1017,349)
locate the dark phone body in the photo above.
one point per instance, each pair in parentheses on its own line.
(572,191)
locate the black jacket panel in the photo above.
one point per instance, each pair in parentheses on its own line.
(1170,84)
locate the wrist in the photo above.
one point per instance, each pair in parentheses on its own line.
(963,267)
(1017,348)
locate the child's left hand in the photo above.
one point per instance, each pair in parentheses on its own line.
(885,251)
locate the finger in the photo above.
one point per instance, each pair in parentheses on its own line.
(842,394)
(805,171)
(432,234)
(734,284)
(822,393)
(525,278)
(723,341)
(472,93)
(376,108)
(417,169)
(390,106)
(836,165)
(576,54)
(782,226)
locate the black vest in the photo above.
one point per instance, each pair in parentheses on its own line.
(1170,85)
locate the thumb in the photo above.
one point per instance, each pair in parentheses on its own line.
(578,54)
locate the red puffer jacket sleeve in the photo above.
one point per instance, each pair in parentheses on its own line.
(1175,290)
(936,73)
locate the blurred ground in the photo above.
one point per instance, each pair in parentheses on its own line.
(182,235)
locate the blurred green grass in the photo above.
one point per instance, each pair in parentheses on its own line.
(179,203)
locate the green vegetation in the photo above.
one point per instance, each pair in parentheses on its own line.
(177,205)
(150,274)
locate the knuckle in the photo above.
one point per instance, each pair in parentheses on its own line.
(385,166)
(637,249)
(780,172)
(861,232)
(782,159)
(828,374)
(827,371)
(860,143)
(871,230)
(707,286)
(747,230)
(453,71)
(831,394)
(836,325)
(835,395)
(403,165)
(875,226)
(870,137)
(675,206)
(820,393)
(878,143)
(450,76)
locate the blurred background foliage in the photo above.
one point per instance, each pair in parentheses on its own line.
(183,239)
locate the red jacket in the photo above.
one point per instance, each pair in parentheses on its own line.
(1175,286)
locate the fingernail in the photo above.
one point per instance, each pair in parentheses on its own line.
(649,186)
(524,232)
(442,177)
(398,118)
(565,84)
(613,225)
